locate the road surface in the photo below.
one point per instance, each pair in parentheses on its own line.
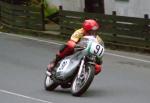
(125,77)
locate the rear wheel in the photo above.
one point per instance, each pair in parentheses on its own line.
(82,83)
(49,84)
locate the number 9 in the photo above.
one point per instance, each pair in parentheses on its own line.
(97,49)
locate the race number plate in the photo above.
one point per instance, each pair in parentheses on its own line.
(63,65)
(97,49)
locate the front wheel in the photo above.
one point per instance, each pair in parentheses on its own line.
(49,84)
(82,83)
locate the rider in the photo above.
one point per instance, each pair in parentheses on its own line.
(89,27)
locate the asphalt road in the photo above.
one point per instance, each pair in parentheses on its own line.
(125,77)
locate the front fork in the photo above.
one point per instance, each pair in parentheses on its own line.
(81,67)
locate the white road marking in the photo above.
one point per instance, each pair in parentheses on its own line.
(126,57)
(32,38)
(107,53)
(23,96)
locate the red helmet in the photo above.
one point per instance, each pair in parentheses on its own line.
(90,24)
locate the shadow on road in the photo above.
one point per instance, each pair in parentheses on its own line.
(89,93)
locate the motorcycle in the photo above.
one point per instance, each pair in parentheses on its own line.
(76,71)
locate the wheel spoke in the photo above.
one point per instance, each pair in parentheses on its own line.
(79,82)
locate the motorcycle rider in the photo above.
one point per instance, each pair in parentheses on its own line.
(89,27)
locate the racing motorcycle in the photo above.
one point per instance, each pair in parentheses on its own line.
(76,71)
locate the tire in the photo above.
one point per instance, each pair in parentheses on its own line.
(90,76)
(49,84)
